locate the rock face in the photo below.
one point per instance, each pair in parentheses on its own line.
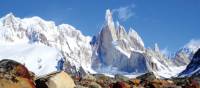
(181,59)
(55,80)
(193,69)
(185,54)
(14,75)
(191,48)
(113,44)
(115,50)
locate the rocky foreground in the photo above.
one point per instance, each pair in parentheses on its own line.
(16,75)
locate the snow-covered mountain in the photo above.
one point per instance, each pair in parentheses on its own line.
(181,58)
(190,48)
(64,40)
(185,54)
(42,46)
(188,55)
(116,51)
(193,69)
(35,57)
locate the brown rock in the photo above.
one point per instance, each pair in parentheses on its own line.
(94,85)
(103,80)
(55,80)
(160,84)
(135,82)
(147,76)
(14,75)
(192,84)
(119,85)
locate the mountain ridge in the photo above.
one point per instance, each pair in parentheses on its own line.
(114,50)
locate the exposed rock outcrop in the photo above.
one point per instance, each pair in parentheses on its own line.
(55,80)
(15,75)
(115,50)
(147,77)
(181,59)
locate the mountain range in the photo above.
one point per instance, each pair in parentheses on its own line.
(42,46)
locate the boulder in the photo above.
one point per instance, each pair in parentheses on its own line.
(55,80)
(94,85)
(147,76)
(103,80)
(135,82)
(120,77)
(162,84)
(79,86)
(14,75)
(89,77)
(119,85)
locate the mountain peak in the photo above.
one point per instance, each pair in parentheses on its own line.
(109,26)
(121,32)
(133,34)
(108,17)
(156,48)
(193,45)
(9,16)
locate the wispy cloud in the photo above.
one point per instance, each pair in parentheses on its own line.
(124,13)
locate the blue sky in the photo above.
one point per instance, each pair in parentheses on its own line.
(170,23)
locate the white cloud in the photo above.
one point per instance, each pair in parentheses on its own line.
(124,13)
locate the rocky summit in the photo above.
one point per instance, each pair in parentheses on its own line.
(118,51)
